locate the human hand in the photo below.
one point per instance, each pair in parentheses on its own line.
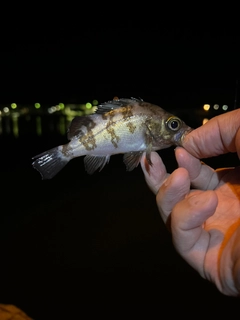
(202,205)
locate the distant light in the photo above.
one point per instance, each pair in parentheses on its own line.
(6,109)
(37,105)
(95,102)
(61,105)
(13,105)
(216,107)
(52,109)
(206,107)
(225,107)
(88,105)
(205,120)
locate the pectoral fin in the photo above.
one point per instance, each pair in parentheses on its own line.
(92,163)
(132,159)
(148,156)
(148,161)
(149,141)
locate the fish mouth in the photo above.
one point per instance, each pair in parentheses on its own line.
(185,134)
(180,136)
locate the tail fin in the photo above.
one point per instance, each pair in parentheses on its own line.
(50,162)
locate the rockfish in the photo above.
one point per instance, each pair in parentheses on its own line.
(127,126)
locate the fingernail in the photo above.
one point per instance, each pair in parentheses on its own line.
(167,181)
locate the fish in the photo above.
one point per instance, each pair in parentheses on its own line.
(127,126)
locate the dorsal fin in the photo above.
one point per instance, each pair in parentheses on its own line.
(76,126)
(115,104)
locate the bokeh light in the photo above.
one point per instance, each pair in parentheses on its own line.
(13,105)
(37,105)
(206,107)
(205,120)
(88,105)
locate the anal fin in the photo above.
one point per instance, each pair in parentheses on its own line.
(92,163)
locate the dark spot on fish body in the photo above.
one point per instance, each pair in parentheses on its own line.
(110,114)
(131,127)
(154,109)
(65,150)
(125,111)
(80,129)
(156,134)
(91,124)
(114,138)
(85,136)
(151,107)
(106,115)
(88,141)
(144,104)
(148,138)
(77,124)
(154,127)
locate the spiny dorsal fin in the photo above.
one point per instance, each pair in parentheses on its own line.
(115,104)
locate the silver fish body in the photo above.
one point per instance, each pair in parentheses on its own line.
(127,126)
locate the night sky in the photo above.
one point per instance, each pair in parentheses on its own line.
(164,62)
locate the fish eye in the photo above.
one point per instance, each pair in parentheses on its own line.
(174,123)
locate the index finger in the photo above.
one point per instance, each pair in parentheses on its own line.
(219,135)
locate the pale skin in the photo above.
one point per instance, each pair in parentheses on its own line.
(201,205)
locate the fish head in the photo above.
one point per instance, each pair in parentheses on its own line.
(176,130)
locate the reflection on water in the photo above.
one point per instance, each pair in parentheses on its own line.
(38,124)
(22,120)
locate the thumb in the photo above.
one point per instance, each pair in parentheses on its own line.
(218,136)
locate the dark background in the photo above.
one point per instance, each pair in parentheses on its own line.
(96,243)
(174,61)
